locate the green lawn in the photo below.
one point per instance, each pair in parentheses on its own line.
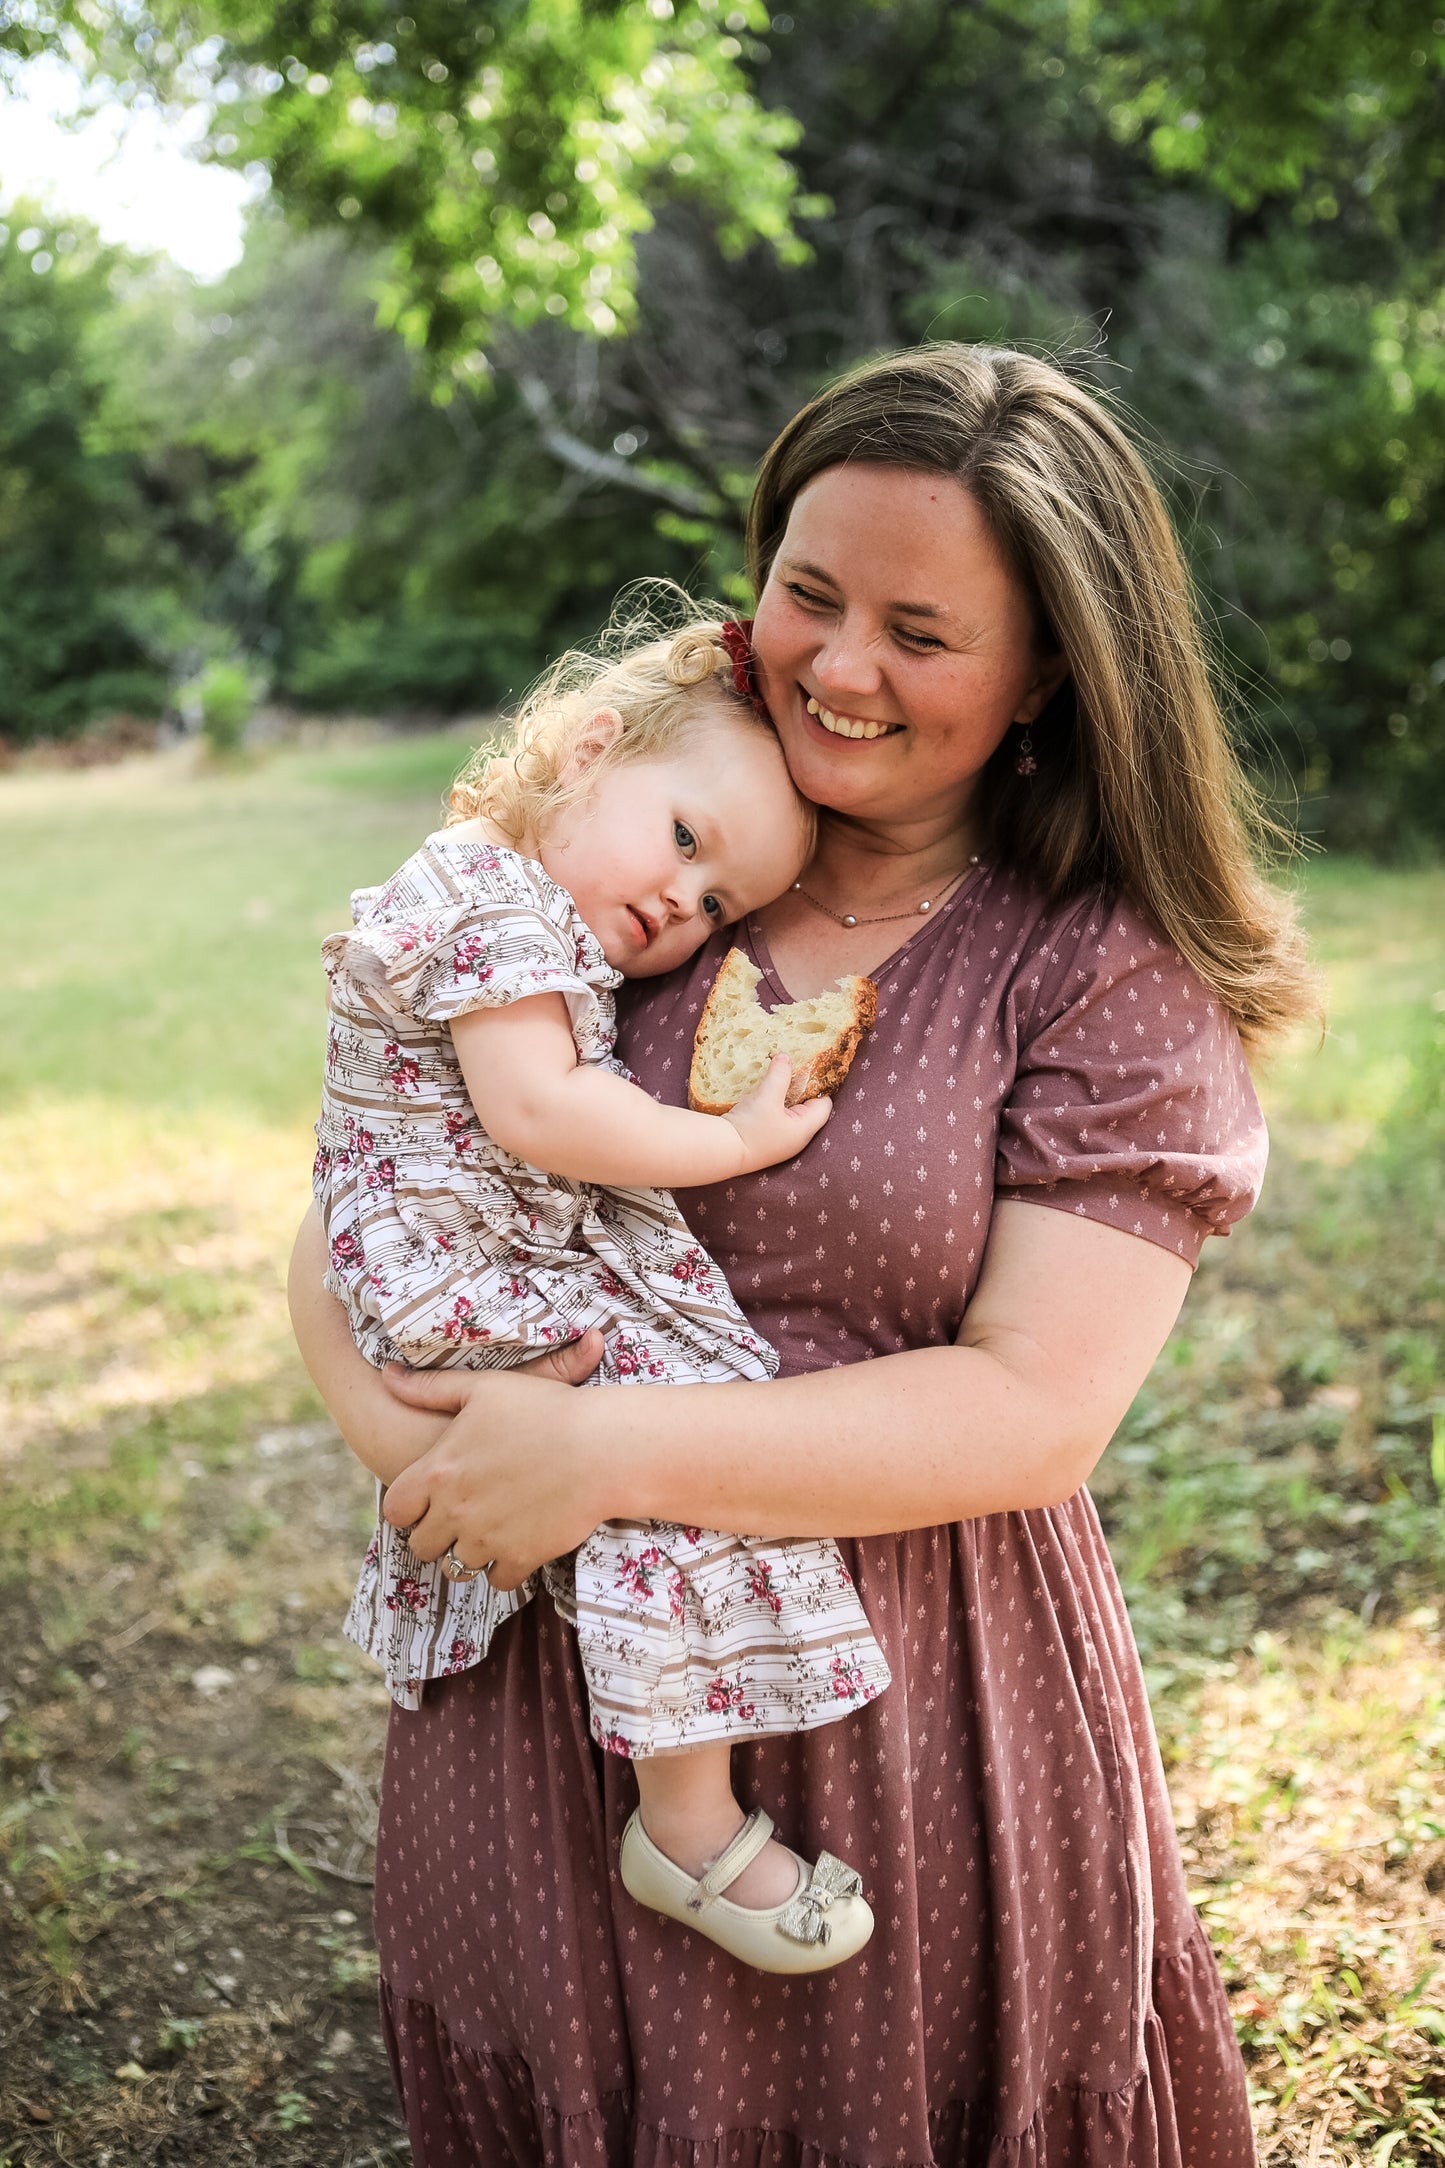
(173,1508)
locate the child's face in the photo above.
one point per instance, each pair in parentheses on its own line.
(660,853)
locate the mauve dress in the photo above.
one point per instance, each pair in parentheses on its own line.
(1038,1992)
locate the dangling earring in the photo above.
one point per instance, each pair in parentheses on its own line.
(1026,764)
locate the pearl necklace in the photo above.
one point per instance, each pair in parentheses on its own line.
(886,918)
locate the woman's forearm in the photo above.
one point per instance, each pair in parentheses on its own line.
(385,1436)
(1060,1337)
(1067,1319)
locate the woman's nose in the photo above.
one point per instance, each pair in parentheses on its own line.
(847,661)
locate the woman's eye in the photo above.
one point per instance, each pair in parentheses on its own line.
(684,838)
(921,642)
(712,908)
(806,596)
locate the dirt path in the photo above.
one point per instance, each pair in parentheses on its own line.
(186,1968)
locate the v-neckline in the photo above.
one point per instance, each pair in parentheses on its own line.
(763,955)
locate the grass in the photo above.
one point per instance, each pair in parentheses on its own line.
(187,1771)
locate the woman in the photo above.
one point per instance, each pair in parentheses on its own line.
(975,638)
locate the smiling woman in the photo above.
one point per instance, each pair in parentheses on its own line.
(967,1273)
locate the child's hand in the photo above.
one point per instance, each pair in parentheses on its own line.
(770,1129)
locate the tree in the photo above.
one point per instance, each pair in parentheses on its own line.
(73,527)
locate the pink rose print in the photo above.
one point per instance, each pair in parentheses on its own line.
(478,859)
(321,1164)
(608,1283)
(611,1739)
(848,1680)
(691,1269)
(726,1696)
(459,1654)
(469,959)
(381,1174)
(459,1130)
(635,1573)
(403,1071)
(407,1594)
(345,1250)
(459,1325)
(633,1360)
(413,936)
(760,1586)
(693,1535)
(373,1552)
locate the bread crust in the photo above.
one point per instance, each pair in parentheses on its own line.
(828,1067)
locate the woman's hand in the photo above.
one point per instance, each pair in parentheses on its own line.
(385,1436)
(485,1490)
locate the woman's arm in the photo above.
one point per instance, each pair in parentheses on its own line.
(588,1124)
(1067,1319)
(385,1436)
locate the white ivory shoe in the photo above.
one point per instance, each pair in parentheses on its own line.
(826,1920)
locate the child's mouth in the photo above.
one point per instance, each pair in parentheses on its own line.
(640,926)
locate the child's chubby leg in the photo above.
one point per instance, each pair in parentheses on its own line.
(691,1813)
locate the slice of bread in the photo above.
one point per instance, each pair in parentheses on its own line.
(737,1037)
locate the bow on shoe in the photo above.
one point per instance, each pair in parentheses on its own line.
(804,1917)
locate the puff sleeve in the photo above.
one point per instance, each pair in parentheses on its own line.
(1132,1103)
(459,929)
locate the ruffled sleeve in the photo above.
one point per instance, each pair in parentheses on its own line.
(465,927)
(1132,1103)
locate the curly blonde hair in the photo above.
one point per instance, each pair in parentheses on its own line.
(661,683)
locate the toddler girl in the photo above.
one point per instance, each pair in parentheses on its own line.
(492,1183)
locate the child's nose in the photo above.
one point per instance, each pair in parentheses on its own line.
(683,895)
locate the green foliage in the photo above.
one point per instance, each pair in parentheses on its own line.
(73,528)
(375,551)
(227,702)
(510,156)
(1226,92)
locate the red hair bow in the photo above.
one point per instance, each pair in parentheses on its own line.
(737,637)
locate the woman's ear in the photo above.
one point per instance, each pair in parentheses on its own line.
(601,732)
(1052,671)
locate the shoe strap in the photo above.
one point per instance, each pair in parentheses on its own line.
(729,1864)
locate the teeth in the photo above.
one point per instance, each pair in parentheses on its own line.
(845,726)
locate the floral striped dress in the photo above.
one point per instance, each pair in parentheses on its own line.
(448,1250)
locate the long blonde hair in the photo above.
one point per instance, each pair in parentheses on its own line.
(1137,786)
(661,684)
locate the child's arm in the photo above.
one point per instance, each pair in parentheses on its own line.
(574,1119)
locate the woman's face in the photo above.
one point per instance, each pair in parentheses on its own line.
(894,644)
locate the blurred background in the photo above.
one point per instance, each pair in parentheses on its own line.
(487,309)
(350,361)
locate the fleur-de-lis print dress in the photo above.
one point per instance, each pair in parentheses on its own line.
(448,1250)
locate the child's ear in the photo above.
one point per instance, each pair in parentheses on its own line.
(601,732)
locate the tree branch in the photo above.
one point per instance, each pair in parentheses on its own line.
(599,466)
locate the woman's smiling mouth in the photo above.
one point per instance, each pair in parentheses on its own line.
(848,726)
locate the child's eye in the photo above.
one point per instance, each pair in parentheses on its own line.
(712,908)
(684,838)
